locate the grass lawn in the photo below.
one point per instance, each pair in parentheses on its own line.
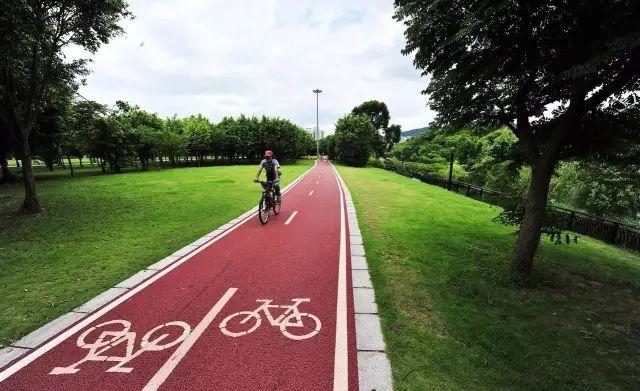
(97,230)
(451,316)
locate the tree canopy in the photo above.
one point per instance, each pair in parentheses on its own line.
(563,75)
(354,139)
(33,67)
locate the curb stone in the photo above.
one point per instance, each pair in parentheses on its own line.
(374,369)
(14,351)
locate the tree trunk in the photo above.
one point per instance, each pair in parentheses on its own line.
(530,230)
(70,165)
(30,203)
(17,162)
(80,160)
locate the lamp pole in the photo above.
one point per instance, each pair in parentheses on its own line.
(317,92)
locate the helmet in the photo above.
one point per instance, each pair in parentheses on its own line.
(268,154)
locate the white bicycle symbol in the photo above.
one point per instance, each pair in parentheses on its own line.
(99,344)
(291,318)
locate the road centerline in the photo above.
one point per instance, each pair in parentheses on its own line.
(295,212)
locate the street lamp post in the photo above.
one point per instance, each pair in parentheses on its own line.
(317,92)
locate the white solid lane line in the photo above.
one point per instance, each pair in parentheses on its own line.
(341,359)
(291,217)
(168,367)
(310,193)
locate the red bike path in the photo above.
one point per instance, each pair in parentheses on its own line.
(192,347)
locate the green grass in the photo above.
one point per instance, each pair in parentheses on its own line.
(97,230)
(451,316)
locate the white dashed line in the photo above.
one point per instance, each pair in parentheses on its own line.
(291,217)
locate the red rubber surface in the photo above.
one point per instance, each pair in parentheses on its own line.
(276,261)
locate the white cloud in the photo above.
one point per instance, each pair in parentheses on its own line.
(260,57)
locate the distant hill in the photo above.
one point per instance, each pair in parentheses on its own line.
(413,132)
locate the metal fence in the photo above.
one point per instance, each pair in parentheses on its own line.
(611,231)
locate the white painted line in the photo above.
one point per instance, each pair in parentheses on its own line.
(295,212)
(168,367)
(311,193)
(341,360)
(34,354)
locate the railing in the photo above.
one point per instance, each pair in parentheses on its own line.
(611,231)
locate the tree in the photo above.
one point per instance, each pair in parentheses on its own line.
(145,131)
(197,130)
(84,115)
(33,35)
(392,136)
(562,75)
(353,138)
(378,113)
(111,142)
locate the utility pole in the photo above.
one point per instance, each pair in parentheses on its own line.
(317,92)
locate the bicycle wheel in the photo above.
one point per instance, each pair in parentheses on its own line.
(240,323)
(263,211)
(308,328)
(277,207)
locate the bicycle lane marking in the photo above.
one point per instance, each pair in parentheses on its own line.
(52,343)
(114,305)
(308,252)
(303,265)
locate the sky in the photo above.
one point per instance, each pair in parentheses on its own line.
(224,58)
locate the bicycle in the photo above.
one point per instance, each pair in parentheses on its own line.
(246,322)
(268,201)
(99,340)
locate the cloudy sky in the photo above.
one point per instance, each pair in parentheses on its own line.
(260,57)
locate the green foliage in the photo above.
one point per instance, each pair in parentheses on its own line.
(354,138)
(110,141)
(328,146)
(376,111)
(604,189)
(392,136)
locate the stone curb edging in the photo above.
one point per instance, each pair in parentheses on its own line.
(23,346)
(374,369)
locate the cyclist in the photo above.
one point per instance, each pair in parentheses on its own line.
(272,169)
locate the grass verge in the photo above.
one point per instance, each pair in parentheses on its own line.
(96,230)
(451,316)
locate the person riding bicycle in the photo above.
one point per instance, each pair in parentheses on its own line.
(272,169)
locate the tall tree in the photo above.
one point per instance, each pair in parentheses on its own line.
(378,113)
(392,136)
(563,75)
(353,139)
(33,35)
